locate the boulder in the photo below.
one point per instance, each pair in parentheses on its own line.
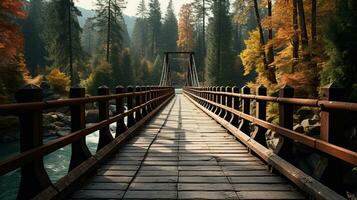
(304,113)
(298,128)
(311,126)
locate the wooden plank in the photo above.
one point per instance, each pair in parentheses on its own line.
(207,195)
(269,195)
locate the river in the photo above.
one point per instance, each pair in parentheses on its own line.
(56,164)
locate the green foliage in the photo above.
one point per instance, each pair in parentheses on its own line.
(341,39)
(154,20)
(102,75)
(59,81)
(219,60)
(34,49)
(56,35)
(139,42)
(169,30)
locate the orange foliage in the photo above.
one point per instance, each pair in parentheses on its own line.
(185,28)
(11,39)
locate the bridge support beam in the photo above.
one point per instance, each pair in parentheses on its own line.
(121,127)
(80,151)
(34,177)
(105,137)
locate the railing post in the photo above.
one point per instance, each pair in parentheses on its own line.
(286,111)
(130,105)
(34,177)
(219,101)
(105,137)
(235,119)
(213,98)
(209,97)
(80,151)
(223,102)
(261,110)
(149,97)
(121,127)
(332,123)
(138,115)
(144,100)
(228,115)
(244,126)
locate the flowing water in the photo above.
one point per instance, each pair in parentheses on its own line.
(56,164)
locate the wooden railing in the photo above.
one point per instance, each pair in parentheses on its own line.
(232,108)
(35,182)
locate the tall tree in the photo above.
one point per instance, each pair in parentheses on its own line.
(295,42)
(303,31)
(139,42)
(109,22)
(185,40)
(270,71)
(220,56)
(341,39)
(64,27)
(154,20)
(34,50)
(169,30)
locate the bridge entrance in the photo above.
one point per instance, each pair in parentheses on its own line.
(190,76)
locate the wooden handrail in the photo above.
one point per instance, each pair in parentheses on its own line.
(217,102)
(338,105)
(30,109)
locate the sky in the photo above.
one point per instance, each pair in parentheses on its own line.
(132,5)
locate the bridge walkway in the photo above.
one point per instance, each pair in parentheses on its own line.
(184,154)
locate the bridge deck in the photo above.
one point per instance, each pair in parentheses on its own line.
(184,154)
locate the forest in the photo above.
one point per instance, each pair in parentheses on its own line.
(302,43)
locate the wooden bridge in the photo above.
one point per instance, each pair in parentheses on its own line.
(206,143)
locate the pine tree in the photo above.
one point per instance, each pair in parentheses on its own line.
(219,60)
(34,50)
(109,21)
(154,20)
(140,33)
(63,47)
(341,40)
(169,30)
(89,37)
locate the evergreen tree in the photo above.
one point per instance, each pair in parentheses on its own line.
(154,20)
(169,30)
(34,50)
(341,40)
(140,33)
(219,60)
(127,67)
(61,45)
(89,37)
(109,22)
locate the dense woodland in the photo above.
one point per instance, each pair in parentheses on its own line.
(303,43)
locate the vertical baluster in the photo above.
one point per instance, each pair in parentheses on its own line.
(228,115)
(261,107)
(34,177)
(222,112)
(121,127)
(286,111)
(138,115)
(80,151)
(105,137)
(244,126)
(144,100)
(130,105)
(235,119)
(219,101)
(213,108)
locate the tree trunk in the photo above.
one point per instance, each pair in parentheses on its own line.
(295,37)
(313,24)
(303,31)
(70,42)
(270,36)
(269,71)
(108,31)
